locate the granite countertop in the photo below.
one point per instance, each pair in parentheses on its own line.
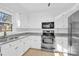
(17,36)
(37,32)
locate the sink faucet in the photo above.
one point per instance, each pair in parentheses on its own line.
(5,34)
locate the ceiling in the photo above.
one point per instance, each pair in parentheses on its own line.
(55,8)
(32,7)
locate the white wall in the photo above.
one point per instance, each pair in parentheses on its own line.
(35,19)
(24,17)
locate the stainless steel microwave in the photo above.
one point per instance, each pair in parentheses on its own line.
(47,25)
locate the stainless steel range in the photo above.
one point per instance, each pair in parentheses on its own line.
(48,37)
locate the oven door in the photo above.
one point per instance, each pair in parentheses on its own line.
(48,33)
(48,41)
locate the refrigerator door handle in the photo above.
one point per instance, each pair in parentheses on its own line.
(71,34)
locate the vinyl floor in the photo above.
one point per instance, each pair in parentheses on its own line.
(39,52)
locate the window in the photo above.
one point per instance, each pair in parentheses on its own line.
(5,22)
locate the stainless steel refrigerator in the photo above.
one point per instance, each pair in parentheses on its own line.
(73,30)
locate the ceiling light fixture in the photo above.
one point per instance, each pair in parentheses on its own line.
(48,4)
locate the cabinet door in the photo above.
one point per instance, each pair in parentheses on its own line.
(19,48)
(5,50)
(36,42)
(25,44)
(9,49)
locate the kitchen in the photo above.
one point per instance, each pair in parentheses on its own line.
(37,29)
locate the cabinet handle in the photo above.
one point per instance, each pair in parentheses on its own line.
(16,47)
(10,45)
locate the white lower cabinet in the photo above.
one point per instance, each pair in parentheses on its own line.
(19,47)
(25,44)
(35,42)
(9,49)
(15,48)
